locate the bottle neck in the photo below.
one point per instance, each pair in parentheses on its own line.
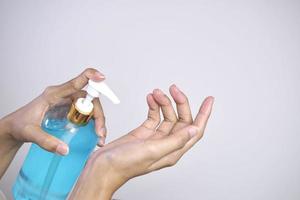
(77,117)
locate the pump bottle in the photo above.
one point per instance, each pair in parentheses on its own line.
(48,176)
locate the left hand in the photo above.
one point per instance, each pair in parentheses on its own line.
(24,124)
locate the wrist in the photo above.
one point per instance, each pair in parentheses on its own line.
(6,136)
(5,126)
(8,145)
(5,132)
(92,184)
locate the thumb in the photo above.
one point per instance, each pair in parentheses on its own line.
(48,142)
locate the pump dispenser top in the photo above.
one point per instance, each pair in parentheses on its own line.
(82,110)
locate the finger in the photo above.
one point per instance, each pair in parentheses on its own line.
(99,121)
(204,113)
(200,122)
(182,104)
(153,118)
(102,139)
(196,130)
(66,101)
(166,161)
(78,94)
(48,142)
(78,83)
(167,109)
(100,130)
(168,144)
(100,127)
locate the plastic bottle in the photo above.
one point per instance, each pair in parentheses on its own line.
(49,176)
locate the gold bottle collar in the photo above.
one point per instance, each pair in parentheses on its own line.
(77,117)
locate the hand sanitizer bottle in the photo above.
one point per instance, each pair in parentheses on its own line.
(48,176)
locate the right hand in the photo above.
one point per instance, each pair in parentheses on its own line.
(151,146)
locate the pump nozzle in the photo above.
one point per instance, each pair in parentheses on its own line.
(96,88)
(85,106)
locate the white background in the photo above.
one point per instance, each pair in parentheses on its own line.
(245,53)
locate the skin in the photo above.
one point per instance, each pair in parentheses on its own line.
(23,125)
(153,145)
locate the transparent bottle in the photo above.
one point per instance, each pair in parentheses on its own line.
(48,176)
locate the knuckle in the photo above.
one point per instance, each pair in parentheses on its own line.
(153,119)
(174,119)
(89,70)
(73,84)
(170,121)
(101,119)
(152,151)
(170,117)
(48,144)
(186,118)
(49,91)
(190,120)
(151,148)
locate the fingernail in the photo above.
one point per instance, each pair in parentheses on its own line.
(102,141)
(99,75)
(62,149)
(193,131)
(157,91)
(206,107)
(176,88)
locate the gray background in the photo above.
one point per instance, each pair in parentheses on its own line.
(245,53)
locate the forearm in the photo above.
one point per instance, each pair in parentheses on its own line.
(89,187)
(8,146)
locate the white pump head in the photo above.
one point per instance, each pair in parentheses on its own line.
(94,89)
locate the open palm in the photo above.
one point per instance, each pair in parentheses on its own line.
(155,144)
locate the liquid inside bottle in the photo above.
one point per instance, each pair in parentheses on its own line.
(49,176)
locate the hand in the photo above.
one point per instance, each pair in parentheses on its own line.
(151,146)
(24,124)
